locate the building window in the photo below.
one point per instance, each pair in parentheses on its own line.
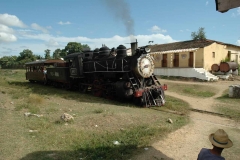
(213,54)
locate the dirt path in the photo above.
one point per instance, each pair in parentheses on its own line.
(186,142)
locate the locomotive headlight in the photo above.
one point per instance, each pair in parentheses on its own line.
(145,66)
(147,49)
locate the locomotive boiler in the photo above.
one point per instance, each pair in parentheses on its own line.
(112,74)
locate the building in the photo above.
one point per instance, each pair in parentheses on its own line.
(187,56)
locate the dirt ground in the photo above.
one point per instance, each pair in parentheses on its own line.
(186,142)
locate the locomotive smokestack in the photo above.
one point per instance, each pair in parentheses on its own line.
(134,46)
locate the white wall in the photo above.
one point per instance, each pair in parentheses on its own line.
(198,73)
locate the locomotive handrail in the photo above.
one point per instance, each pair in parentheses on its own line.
(103,66)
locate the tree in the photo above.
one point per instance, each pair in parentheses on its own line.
(199,35)
(38,57)
(26,56)
(47,54)
(73,47)
(63,53)
(18,61)
(8,62)
(57,53)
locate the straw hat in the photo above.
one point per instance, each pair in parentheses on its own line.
(220,139)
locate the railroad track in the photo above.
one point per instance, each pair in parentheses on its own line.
(208,112)
(194,110)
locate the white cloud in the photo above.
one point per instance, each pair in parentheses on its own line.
(206,3)
(236,14)
(49,27)
(47,41)
(38,27)
(7,37)
(112,41)
(238,11)
(11,20)
(7,34)
(6,50)
(186,30)
(5,29)
(156,29)
(52,43)
(238,42)
(64,23)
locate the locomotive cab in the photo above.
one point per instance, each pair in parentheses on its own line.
(75,64)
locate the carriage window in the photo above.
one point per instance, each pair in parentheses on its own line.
(71,63)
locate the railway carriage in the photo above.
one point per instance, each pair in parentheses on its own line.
(35,69)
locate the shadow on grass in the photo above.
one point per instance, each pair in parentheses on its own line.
(119,152)
(46,90)
(225,97)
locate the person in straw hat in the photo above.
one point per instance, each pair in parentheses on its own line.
(219,140)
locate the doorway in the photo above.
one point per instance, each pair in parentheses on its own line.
(190,60)
(164,60)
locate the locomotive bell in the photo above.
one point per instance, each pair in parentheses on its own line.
(121,50)
(104,51)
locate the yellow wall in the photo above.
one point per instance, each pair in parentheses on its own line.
(220,54)
(235,53)
(183,59)
(170,60)
(199,58)
(157,60)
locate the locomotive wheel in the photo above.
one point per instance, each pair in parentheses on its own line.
(45,82)
(31,81)
(81,88)
(97,89)
(67,86)
(85,90)
(139,101)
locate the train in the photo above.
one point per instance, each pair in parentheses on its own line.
(104,72)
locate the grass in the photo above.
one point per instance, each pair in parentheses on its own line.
(194,90)
(228,106)
(175,105)
(98,123)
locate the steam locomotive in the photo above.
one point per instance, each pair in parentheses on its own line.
(104,72)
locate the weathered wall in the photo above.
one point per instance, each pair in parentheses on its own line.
(157,60)
(199,58)
(170,60)
(235,53)
(220,54)
(183,59)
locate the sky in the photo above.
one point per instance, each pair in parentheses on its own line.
(50,24)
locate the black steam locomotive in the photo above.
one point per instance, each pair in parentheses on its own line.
(104,72)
